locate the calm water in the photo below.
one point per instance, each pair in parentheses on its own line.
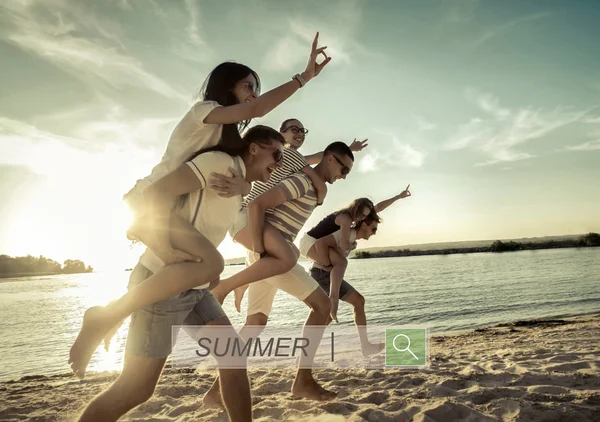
(40,316)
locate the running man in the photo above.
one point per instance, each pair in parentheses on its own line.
(290,204)
(363,230)
(149,339)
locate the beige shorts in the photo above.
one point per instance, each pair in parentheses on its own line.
(241,221)
(297,282)
(306,242)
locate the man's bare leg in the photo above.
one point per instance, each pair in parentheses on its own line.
(213,397)
(134,386)
(234,393)
(360,320)
(304,384)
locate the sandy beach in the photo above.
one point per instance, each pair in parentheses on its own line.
(523,371)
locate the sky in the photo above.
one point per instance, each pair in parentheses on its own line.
(490,110)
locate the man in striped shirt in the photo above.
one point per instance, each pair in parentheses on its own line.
(291,203)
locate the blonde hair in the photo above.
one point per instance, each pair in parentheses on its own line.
(354,210)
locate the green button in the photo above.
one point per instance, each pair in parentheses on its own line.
(406,347)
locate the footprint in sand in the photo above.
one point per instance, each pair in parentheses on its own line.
(449,411)
(548,389)
(377,398)
(339,408)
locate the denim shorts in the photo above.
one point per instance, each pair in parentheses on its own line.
(150,330)
(324,281)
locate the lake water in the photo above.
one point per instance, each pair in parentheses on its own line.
(40,316)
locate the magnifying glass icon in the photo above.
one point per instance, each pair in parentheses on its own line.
(407,348)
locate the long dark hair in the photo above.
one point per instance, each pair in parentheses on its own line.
(218,87)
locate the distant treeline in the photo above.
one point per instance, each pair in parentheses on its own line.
(22,266)
(589,240)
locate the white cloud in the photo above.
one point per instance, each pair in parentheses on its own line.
(587,146)
(473,132)
(103,122)
(194,47)
(508,26)
(341,21)
(591,119)
(287,54)
(75,40)
(369,162)
(487,103)
(501,131)
(423,124)
(408,155)
(504,156)
(337,42)
(49,154)
(400,154)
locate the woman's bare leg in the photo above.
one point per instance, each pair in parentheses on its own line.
(281,258)
(319,251)
(170,280)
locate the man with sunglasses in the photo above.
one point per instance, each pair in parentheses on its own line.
(363,230)
(347,293)
(289,205)
(283,256)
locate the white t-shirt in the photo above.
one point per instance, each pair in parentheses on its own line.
(189,136)
(211,214)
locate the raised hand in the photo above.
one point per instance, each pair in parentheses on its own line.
(357,146)
(405,193)
(312,67)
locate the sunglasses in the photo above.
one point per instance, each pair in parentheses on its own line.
(345,168)
(296,130)
(251,86)
(277,153)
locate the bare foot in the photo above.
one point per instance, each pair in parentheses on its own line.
(239,295)
(96,324)
(310,389)
(212,399)
(371,349)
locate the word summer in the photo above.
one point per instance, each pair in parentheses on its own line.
(236,347)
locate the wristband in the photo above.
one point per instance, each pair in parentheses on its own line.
(300,79)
